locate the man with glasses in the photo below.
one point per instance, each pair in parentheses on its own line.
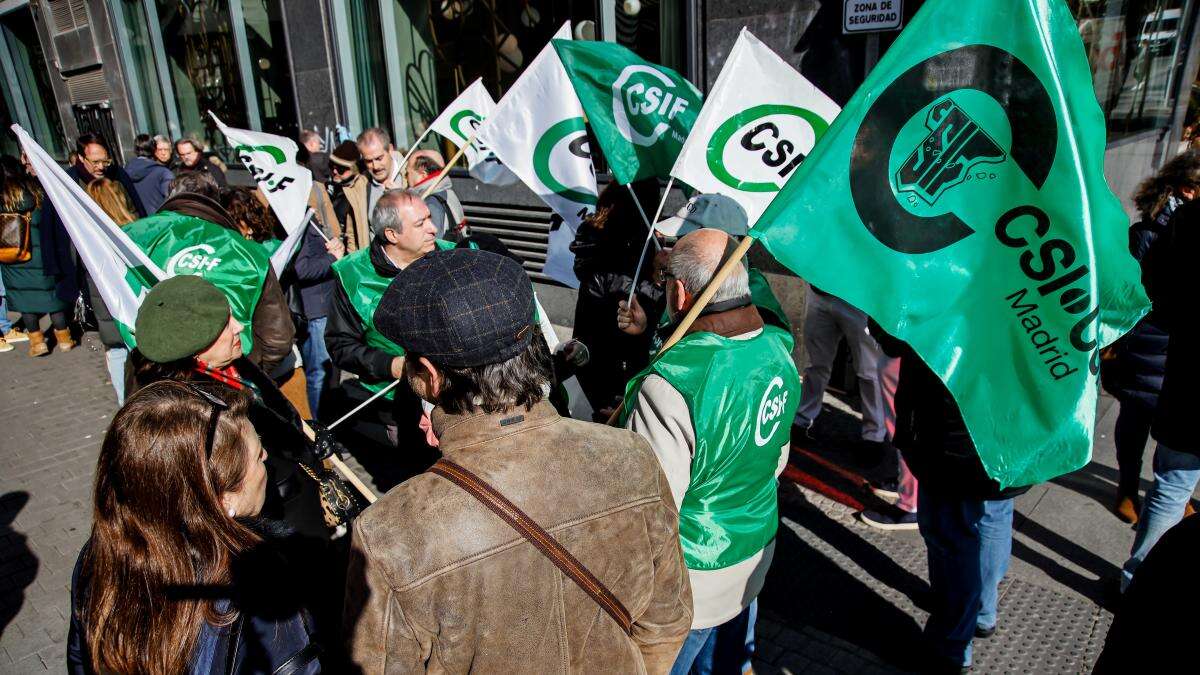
(94,161)
(191,158)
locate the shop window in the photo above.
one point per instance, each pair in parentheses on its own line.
(1137,50)
(28,96)
(271,72)
(145,89)
(368,69)
(201,59)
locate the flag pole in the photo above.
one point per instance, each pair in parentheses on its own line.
(650,235)
(365,403)
(701,302)
(346,471)
(413,148)
(649,225)
(445,169)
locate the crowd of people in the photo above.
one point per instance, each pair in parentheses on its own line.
(517,538)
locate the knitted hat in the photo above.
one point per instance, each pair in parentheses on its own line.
(180,317)
(459,308)
(346,154)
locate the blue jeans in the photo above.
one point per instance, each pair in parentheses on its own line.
(5,324)
(318,367)
(719,650)
(969,543)
(1175,477)
(115,358)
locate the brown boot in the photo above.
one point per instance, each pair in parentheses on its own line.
(1189,510)
(37,344)
(63,338)
(1126,509)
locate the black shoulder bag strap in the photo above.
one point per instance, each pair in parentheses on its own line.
(537,536)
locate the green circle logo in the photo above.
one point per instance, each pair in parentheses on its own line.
(764,140)
(543,152)
(465,123)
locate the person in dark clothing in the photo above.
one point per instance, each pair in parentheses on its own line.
(1154,623)
(345,177)
(95,161)
(1171,284)
(1135,364)
(314,278)
(310,154)
(178,575)
(607,248)
(192,158)
(963,515)
(151,179)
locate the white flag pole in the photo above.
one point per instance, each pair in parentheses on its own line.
(649,237)
(365,403)
(413,148)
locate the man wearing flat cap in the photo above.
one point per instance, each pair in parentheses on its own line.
(443,575)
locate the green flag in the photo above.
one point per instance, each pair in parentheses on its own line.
(641,112)
(959,199)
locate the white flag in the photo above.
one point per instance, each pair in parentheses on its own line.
(760,120)
(458,124)
(271,161)
(537,130)
(121,269)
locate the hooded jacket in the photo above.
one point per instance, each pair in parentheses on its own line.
(445,209)
(151,181)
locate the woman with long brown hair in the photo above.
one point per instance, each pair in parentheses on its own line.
(164,585)
(113,199)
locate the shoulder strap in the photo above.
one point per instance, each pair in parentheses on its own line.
(537,536)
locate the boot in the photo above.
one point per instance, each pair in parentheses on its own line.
(16,335)
(63,338)
(1126,509)
(37,344)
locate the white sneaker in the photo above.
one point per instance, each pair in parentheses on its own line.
(15,335)
(4,346)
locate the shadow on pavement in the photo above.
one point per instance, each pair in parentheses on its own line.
(18,564)
(1095,590)
(806,588)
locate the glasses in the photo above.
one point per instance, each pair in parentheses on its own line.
(101,163)
(217,406)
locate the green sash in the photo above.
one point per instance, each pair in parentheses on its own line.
(742,396)
(182,244)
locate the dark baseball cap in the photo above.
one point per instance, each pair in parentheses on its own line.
(459,308)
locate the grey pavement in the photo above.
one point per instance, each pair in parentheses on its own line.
(841,597)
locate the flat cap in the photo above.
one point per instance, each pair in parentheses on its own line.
(180,317)
(459,308)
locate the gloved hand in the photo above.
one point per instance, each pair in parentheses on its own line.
(325,444)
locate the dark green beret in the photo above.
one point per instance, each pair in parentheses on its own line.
(180,317)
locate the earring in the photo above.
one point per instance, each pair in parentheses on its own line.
(231,512)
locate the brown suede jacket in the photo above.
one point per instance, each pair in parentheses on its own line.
(438,583)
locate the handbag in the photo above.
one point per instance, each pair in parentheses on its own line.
(16,244)
(539,537)
(339,501)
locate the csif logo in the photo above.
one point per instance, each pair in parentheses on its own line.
(466,123)
(770,408)
(563,144)
(644,101)
(272,180)
(193,260)
(955,144)
(757,149)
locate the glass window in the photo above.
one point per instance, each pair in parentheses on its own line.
(272,74)
(8,142)
(368,72)
(145,88)
(1136,49)
(28,94)
(198,41)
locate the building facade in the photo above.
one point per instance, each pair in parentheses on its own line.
(123,67)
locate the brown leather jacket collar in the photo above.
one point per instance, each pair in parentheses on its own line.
(199,206)
(459,432)
(729,323)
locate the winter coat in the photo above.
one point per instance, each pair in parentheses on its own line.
(272,590)
(151,181)
(931,433)
(445,209)
(29,286)
(464,592)
(118,174)
(312,270)
(209,166)
(1172,288)
(350,203)
(271,324)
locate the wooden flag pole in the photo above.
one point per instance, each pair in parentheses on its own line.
(701,302)
(346,471)
(441,174)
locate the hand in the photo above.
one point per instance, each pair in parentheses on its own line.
(631,319)
(336,248)
(660,266)
(398,367)
(575,352)
(325,445)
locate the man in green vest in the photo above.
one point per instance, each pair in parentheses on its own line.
(717,409)
(401,232)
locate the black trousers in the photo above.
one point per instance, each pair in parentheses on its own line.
(1130,435)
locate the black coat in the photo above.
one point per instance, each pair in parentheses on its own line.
(275,588)
(312,270)
(931,433)
(1172,288)
(344,335)
(1134,374)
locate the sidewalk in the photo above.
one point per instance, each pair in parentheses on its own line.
(840,597)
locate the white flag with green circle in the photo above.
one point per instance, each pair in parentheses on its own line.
(760,120)
(537,130)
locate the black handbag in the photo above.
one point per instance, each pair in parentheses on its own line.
(339,501)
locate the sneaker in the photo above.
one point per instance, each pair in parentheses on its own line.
(894,519)
(16,335)
(4,346)
(888,491)
(984,633)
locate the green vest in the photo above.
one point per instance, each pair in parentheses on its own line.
(182,244)
(364,286)
(742,396)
